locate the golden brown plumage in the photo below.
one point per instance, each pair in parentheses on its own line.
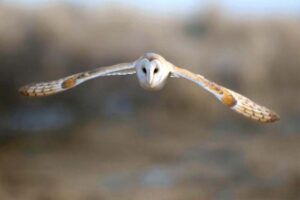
(60,85)
(235,101)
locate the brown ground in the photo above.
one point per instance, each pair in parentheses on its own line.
(105,160)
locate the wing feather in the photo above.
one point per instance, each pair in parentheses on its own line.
(60,85)
(234,100)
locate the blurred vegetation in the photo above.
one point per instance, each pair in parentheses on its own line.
(256,56)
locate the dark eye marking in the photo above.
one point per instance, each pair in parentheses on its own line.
(156,70)
(144,70)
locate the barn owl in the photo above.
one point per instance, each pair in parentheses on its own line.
(152,71)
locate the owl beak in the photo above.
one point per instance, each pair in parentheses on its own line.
(149,78)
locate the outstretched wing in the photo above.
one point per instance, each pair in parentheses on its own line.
(60,85)
(235,101)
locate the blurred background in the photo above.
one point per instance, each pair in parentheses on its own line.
(110,139)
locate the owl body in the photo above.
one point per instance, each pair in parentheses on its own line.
(152,72)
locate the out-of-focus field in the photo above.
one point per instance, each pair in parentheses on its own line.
(110,139)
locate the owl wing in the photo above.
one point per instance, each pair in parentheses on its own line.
(232,99)
(60,85)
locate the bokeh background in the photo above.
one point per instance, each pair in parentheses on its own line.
(110,139)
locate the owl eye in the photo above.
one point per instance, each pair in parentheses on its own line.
(144,70)
(156,70)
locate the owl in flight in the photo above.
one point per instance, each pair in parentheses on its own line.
(152,71)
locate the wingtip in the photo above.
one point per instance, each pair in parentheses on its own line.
(271,118)
(274,117)
(23,90)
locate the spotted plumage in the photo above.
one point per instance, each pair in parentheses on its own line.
(152,72)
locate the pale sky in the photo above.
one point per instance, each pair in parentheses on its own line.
(263,7)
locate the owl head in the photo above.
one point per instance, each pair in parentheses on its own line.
(152,71)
